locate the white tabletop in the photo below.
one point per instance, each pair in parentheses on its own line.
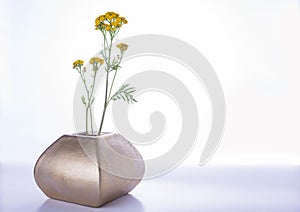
(188,188)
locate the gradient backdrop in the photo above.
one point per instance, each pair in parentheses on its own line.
(253,46)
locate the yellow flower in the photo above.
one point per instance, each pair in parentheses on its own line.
(78,63)
(110,21)
(102,17)
(122,46)
(97,21)
(118,19)
(96,60)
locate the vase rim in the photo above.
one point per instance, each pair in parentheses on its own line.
(82,134)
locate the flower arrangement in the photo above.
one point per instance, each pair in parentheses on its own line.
(109,25)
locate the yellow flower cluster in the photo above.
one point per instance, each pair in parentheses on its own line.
(96,60)
(122,46)
(111,21)
(78,63)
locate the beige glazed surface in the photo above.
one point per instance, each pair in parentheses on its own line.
(89,170)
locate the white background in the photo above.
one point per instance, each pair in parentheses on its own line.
(253,46)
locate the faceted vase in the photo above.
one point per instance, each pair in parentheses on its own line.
(89,170)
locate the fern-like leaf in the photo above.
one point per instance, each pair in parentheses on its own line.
(125,93)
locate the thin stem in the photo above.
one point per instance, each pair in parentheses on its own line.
(88,95)
(91,119)
(84,82)
(104,45)
(112,84)
(91,98)
(105,105)
(86,121)
(106,85)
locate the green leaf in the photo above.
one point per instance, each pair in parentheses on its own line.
(83,100)
(125,93)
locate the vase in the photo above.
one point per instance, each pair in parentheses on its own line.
(89,170)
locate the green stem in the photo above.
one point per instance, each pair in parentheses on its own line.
(84,82)
(104,45)
(105,105)
(112,84)
(91,99)
(106,85)
(88,94)
(86,121)
(91,119)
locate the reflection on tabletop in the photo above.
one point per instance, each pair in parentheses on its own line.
(125,203)
(187,188)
